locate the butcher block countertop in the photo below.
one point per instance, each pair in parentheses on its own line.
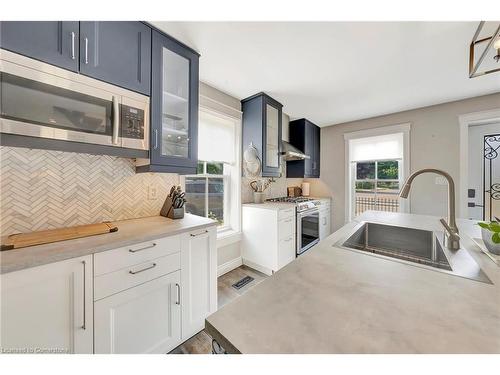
(334,300)
(130,232)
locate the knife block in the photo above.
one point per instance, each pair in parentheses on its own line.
(169,211)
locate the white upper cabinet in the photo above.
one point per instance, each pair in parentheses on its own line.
(48,309)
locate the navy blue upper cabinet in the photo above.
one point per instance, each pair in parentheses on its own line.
(53,42)
(262,127)
(118,52)
(174,107)
(306,136)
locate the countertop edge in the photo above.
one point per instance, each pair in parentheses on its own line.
(221,340)
(59,256)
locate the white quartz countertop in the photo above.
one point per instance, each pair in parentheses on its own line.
(333,300)
(129,232)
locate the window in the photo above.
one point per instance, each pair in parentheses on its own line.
(214,191)
(206,192)
(377,163)
(377,185)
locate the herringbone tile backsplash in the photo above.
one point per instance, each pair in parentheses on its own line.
(42,189)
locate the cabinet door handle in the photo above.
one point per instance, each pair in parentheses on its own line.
(324,221)
(116,120)
(156,138)
(144,269)
(84,325)
(288,239)
(288,221)
(142,248)
(72,45)
(198,234)
(86,50)
(178,288)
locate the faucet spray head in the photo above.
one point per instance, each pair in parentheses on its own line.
(405,191)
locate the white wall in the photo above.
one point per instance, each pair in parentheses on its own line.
(434,142)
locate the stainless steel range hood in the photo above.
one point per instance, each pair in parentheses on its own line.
(290,152)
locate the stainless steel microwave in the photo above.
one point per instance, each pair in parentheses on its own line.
(41,100)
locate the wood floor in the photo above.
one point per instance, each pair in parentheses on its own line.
(202,342)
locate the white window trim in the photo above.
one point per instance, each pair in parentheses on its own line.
(230,233)
(404,128)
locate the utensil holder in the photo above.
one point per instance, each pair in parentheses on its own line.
(169,211)
(258,197)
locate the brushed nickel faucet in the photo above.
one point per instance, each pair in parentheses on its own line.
(452,239)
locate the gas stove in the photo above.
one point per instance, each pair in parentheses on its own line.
(303,203)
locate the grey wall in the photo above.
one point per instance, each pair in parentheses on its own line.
(434,142)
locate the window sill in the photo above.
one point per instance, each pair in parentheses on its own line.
(227,237)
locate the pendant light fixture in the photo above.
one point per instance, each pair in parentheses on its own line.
(481,46)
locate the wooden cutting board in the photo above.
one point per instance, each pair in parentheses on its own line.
(16,241)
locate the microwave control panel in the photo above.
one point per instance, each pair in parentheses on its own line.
(132,121)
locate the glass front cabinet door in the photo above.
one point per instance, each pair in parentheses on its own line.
(174,106)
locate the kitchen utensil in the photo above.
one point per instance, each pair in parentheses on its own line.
(305,189)
(294,191)
(251,162)
(15,241)
(173,207)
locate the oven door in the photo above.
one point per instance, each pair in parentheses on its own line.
(307,230)
(37,103)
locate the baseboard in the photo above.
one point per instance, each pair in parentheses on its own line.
(229,266)
(258,267)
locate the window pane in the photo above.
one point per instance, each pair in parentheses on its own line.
(195,195)
(215,168)
(365,186)
(216,199)
(199,169)
(365,170)
(388,170)
(387,188)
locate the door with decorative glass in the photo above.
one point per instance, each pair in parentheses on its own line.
(174,105)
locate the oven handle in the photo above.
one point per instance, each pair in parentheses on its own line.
(116,120)
(308,212)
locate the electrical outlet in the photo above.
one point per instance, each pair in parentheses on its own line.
(152,193)
(441,181)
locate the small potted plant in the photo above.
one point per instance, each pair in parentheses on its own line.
(491,236)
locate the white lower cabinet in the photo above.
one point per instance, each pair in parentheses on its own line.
(199,280)
(324,222)
(269,242)
(142,319)
(145,298)
(48,309)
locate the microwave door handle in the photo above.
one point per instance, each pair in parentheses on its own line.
(116,120)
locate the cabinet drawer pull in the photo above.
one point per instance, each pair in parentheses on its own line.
(178,288)
(72,45)
(144,269)
(84,325)
(288,239)
(198,234)
(142,248)
(287,221)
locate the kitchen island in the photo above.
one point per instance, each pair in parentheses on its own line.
(334,300)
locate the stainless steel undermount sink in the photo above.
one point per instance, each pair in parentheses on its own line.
(416,247)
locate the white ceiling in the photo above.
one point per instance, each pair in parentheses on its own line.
(333,72)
